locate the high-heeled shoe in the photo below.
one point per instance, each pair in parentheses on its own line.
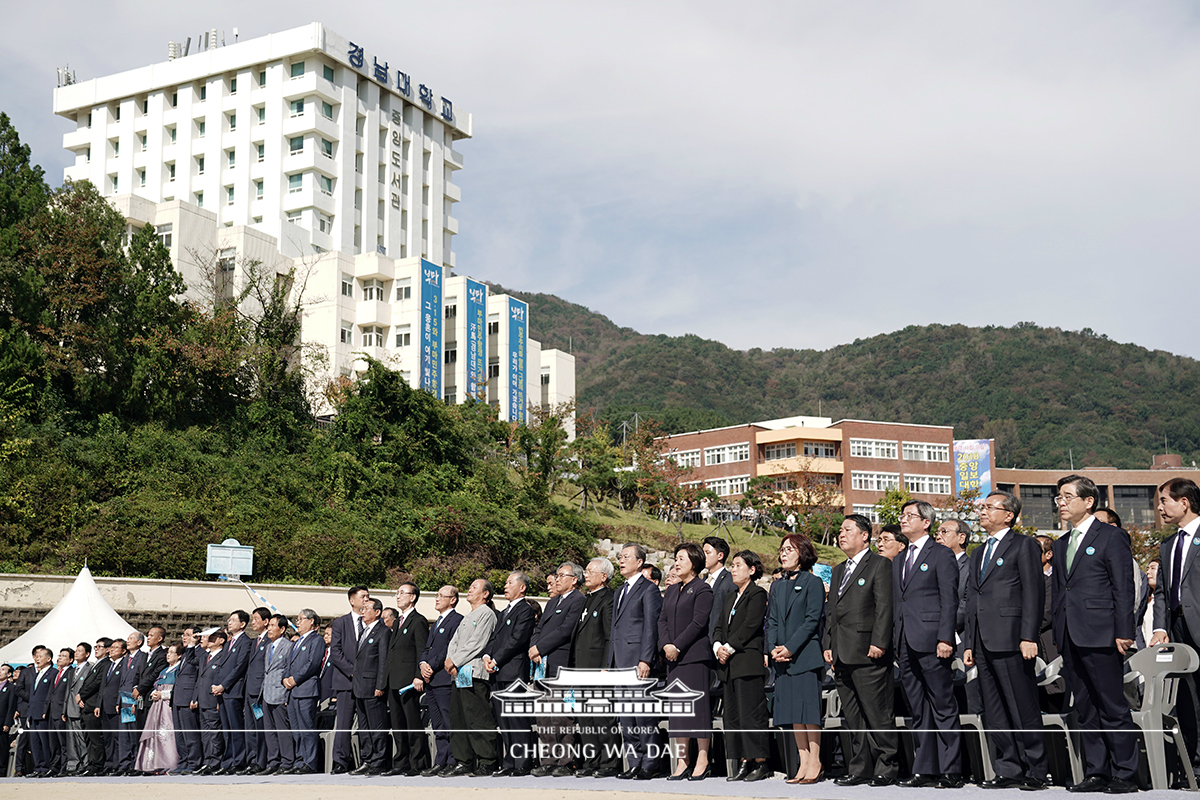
(820,777)
(683,776)
(702,775)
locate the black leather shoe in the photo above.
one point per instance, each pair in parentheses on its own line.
(459,771)
(205,769)
(363,769)
(540,772)
(647,775)
(433,771)
(628,774)
(742,772)
(882,780)
(503,772)
(607,772)
(1091,784)
(852,780)
(304,771)
(483,770)
(561,772)
(338,769)
(1120,786)
(1001,782)
(1033,784)
(951,780)
(584,772)
(521,773)
(759,773)
(921,781)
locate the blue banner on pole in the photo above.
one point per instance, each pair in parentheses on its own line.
(973,465)
(476,339)
(431,328)
(518,331)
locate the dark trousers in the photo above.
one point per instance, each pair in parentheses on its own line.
(1095,677)
(556,741)
(1010,702)
(302,715)
(111,730)
(929,686)
(404,717)
(58,745)
(232,724)
(867,696)
(343,754)
(277,737)
(373,739)
(474,740)
(1187,698)
(745,719)
(127,743)
(517,739)
(212,740)
(39,742)
(438,698)
(93,738)
(187,737)
(637,734)
(256,745)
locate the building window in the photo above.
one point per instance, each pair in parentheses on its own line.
(872,448)
(327,148)
(347,286)
(927,484)
(724,487)
(117,114)
(262,113)
(293,217)
(89,119)
(116,148)
(171,172)
(347,333)
(232,156)
(203,93)
(326,184)
(373,337)
(143,138)
(295,182)
(172,130)
(298,69)
(784,484)
(87,158)
(258,190)
(142,176)
(228,195)
(296,145)
(262,78)
(233,85)
(874,481)
(373,289)
(403,337)
(926,451)
(451,311)
(233,122)
(200,128)
(494,370)
(297,107)
(493,328)
(327,72)
(325,224)
(326,110)
(114,183)
(199,165)
(164,233)
(727,454)
(403,292)
(688,458)
(870,512)
(262,152)
(199,199)
(820,450)
(778,452)
(451,356)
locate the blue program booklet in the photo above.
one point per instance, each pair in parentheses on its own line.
(464,677)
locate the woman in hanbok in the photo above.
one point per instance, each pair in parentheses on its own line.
(156,750)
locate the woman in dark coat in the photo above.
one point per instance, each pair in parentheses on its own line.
(796,605)
(683,637)
(738,644)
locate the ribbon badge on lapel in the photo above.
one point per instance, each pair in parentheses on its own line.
(1091,551)
(999,562)
(924,568)
(862,581)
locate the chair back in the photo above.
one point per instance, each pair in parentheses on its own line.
(1160,667)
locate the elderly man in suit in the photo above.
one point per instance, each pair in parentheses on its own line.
(185,704)
(302,681)
(88,698)
(716,553)
(507,660)
(57,716)
(39,711)
(230,685)
(8,712)
(1005,601)
(924,613)
(370,678)
(474,741)
(437,680)
(1093,627)
(256,745)
(550,648)
(633,642)
(346,630)
(598,736)
(1176,607)
(131,677)
(858,645)
(277,733)
(410,633)
(110,705)
(209,702)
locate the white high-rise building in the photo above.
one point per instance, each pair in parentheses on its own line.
(305,152)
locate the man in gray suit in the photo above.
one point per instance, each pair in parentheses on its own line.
(76,746)
(633,642)
(474,740)
(276,731)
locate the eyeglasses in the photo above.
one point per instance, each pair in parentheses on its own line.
(568,575)
(404,591)
(910,516)
(986,507)
(787,548)
(1065,498)
(447,596)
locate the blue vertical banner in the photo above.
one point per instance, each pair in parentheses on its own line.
(431,328)
(518,333)
(476,339)
(973,465)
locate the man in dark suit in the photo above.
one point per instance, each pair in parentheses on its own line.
(716,553)
(57,716)
(131,676)
(858,645)
(409,635)
(88,697)
(256,667)
(1005,602)
(185,704)
(8,712)
(370,679)
(550,647)
(953,533)
(302,680)
(39,711)
(209,702)
(924,613)
(633,642)
(230,685)
(599,737)
(110,705)
(506,659)
(1093,626)
(156,662)
(1177,594)
(346,630)
(437,680)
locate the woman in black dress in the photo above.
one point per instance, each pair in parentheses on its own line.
(683,637)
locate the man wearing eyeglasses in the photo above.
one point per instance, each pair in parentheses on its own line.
(1093,626)
(410,632)
(437,680)
(507,660)
(551,647)
(1005,602)
(924,612)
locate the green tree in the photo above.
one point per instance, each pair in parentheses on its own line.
(888,507)
(540,450)
(596,460)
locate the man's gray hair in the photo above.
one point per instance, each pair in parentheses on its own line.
(576,570)
(602,565)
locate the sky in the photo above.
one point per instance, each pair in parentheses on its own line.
(770,174)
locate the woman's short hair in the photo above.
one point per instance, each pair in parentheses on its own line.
(804,546)
(751,560)
(694,553)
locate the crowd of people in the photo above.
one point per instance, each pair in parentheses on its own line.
(885,633)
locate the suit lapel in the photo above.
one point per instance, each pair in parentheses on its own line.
(1087,539)
(997,554)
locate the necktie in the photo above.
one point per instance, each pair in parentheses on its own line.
(1177,570)
(58,677)
(846,577)
(271,652)
(361,632)
(1071,547)
(987,557)
(360,627)
(621,596)
(908,562)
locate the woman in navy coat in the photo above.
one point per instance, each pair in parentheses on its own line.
(795,607)
(683,638)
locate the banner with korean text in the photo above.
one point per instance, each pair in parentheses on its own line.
(476,339)
(973,465)
(431,328)
(518,332)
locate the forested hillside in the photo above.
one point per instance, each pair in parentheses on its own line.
(1044,394)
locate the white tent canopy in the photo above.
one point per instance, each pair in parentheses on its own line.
(82,615)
